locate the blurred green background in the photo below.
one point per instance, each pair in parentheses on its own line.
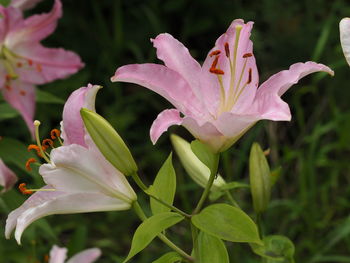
(310,202)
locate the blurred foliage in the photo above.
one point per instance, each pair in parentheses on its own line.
(310,202)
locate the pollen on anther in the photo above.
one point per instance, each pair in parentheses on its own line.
(22,187)
(8,87)
(30,62)
(55,133)
(247,55)
(216,71)
(8,77)
(36,148)
(22,92)
(214,53)
(29,162)
(47,143)
(227,50)
(39,68)
(19,64)
(249,76)
(215,62)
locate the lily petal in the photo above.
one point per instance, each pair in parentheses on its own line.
(7,177)
(37,27)
(86,256)
(44,203)
(73,126)
(24,4)
(164,120)
(268,102)
(21,96)
(47,64)
(164,81)
(177,57)
(344,27)
(86,172)
(58,254)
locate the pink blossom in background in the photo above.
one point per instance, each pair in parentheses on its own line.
(24,4)
(24,62)
(220,100)
(344,27)
(59,255)
(7,177)
(78,178)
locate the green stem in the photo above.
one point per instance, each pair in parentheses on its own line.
(144,189)
(208,186)
(194,232)
(231,199)
(138,210)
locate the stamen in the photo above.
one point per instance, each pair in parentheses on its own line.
(36,148)
(247,55)
(30,161)
(8,87)
(8,77)
(55,133)
(47,143)
(217,71)
(249,76)
(227,50)
(30,62)
(22,187)
(214,53)
(22,92)
(37,124)
(19,64)
(215,62)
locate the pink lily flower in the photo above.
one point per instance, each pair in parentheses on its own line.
(344,27)
(59,255)
(78,178)
(24,62)
(7,177)
(220,100)
(24,4)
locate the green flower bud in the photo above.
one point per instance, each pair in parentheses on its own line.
(260,182)
(109,142)
(196,169)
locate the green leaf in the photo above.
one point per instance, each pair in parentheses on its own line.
(5,2)
(234,185)
(211,249)
(228,223)
(275,249)
(46,97)
(171,257)
(260,181)
(204,154)
(7,112)
(275,175)
(149,229)
(164,187)
(15,152)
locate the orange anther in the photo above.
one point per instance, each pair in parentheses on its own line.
(215,62)
(19,64)
(214,53)
(22,187)
(227,50)
(249,76)
(36,148)
(22,92)
(46,258)
(47,143)
(247,55)
(30,62)
(30,161)
(8,87)
(55,133)
(217,71)
(8,77)
(39,68)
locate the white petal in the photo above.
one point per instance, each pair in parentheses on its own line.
(344,27)
(86,256)
(58,254)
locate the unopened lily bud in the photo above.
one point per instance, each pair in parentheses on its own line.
(260,181)
(196,169)
(109,142)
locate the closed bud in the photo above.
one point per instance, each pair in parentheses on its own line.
(260,181)
(196,169)
(109,142)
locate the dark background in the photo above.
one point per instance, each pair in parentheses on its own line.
(310,202)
